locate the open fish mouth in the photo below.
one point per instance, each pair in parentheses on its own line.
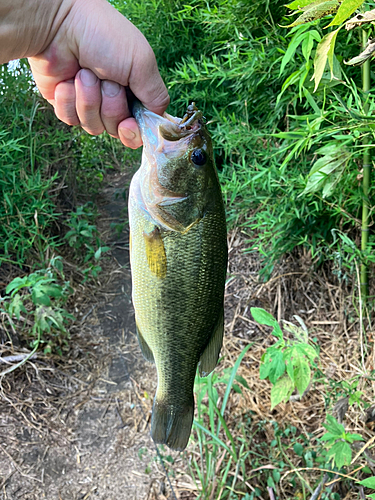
(154,127)
(188,124)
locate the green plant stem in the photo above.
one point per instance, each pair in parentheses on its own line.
(366,179)
(302,479)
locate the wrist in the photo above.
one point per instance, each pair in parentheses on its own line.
(28,26)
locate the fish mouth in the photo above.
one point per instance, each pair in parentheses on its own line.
(155,128)
(187,125)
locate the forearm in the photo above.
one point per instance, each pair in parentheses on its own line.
(28,26)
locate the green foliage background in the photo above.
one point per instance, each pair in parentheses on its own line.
(268,125)
(252,78)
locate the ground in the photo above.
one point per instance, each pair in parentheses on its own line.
(77,427)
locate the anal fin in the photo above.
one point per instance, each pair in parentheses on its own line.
(146,351)
(210,355)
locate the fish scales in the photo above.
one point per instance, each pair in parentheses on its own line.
(178,297)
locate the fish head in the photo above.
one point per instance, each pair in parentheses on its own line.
(178,174)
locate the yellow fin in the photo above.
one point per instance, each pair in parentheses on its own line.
(210,355)
(155,252)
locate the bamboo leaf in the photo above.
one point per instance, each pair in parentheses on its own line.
(292,47)
(300,4)
(324,49)
(363,56)
(331,50)
(346,9)
(304,4)
(359,19)
(315,12)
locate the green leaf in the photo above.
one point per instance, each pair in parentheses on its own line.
(308,43)
(39,297)
(264,318)
(299,4)
(324,50)
(341,453)
(307,350)
(288,359)
(328,437)
(330,54)
(298,449)
(292,47)
(311,101)
(315,11)
(302,375)
(326,172)
(355,398)
(52,290)
(281,391)
(17,284)
(369,482)
(16,306)
(242,381)
(346,9)
(334,427)
(363,56)
(353,437)
(273,366)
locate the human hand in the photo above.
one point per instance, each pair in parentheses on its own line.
(84,60)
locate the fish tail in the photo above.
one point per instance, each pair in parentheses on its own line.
(171,425)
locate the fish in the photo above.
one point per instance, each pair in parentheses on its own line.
(178,258)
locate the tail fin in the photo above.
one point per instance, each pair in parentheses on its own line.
(171,425)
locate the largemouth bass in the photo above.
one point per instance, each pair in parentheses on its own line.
(178,256)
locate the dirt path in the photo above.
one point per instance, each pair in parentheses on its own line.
(77,428)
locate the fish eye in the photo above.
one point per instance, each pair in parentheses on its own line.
(198,157)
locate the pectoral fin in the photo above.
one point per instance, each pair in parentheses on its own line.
(210,355)
(146,351)
(155,252)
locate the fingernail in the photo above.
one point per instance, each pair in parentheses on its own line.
(109,88)
(88,78)
(127,134)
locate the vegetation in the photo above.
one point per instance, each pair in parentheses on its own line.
(288,95)
(44,166)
